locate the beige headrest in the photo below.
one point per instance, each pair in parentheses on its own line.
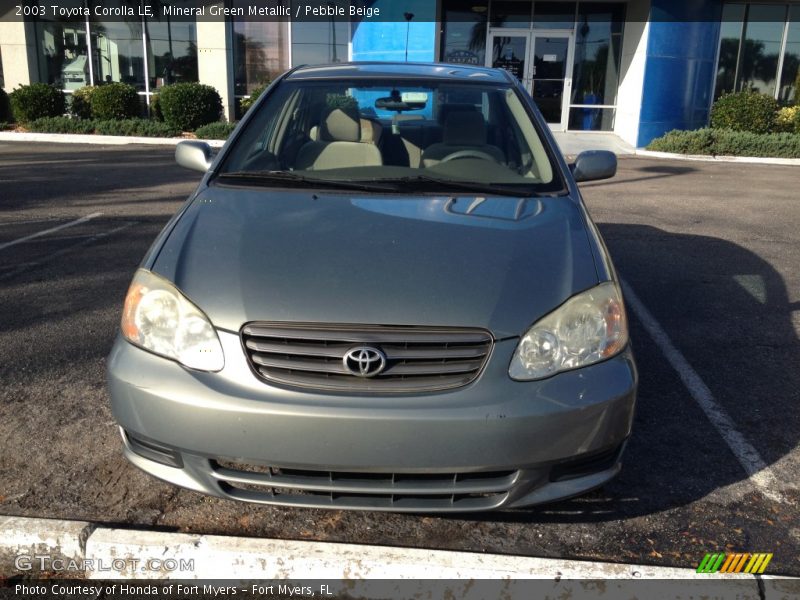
(340,126)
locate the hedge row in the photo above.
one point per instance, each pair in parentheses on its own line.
(131,127)
(753,112)
(726,142)
(182,106)
(215,131)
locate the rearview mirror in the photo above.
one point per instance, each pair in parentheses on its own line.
(194,155)
(593,165)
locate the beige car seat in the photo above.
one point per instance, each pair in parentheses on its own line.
(463,130)
(339,145)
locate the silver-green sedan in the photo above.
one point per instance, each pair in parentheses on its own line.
(385,294)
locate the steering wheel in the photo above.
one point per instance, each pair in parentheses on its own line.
(469,154)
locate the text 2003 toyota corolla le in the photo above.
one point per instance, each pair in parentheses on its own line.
(385,294)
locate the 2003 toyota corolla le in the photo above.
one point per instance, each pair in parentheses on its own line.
(385,294)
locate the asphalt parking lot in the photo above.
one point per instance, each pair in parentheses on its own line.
(710,252)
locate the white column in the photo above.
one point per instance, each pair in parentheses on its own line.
(18,48)
(634,58)
(214,61)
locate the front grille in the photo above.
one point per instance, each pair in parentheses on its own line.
(417,359)
(375,491)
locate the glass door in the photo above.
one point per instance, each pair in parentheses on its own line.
(551,80)
(542,61)
(510,50)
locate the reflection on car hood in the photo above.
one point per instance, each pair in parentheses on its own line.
(275,255)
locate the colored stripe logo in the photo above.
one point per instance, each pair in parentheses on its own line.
(740,562)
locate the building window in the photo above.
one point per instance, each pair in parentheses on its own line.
(464,32)
(260,53)
(62,53)
(511,13)
(790,72)
(323,41)
(144,53)
(554,15)
(595,75)
(171,52)
(729,46)
(118,52)
(759,49)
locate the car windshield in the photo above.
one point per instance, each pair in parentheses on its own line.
(379,135)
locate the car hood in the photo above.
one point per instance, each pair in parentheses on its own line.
(501,263)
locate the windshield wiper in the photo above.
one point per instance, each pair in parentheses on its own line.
(464,186)
(293,179)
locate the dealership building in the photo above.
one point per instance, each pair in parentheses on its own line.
(637,68)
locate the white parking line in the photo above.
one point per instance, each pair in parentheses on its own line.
(51,230)
(745,453)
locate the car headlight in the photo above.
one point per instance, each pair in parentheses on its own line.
(159,318)
(586,329)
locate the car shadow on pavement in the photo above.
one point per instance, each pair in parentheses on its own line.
(727,311)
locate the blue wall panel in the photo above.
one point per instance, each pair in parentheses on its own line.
(680,68)
(385,39)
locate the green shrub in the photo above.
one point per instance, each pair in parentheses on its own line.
(215,131)
(5,108)
(187,106)
(136,127)
(744,111)
(81,103)
(3,125)
(700,141)
(726,142)
(115,101)
(155,108)
(787,119)
(61,125)
(37,100)
(246,103)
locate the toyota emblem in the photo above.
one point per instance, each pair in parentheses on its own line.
(364,361)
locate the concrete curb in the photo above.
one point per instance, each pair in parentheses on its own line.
(102,552)
(220,557)
(119,140)
(62,540)
(752,160)
(105,140)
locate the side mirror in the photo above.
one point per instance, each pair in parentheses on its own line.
(593,165)
(194,155)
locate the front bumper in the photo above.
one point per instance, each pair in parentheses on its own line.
(496,443)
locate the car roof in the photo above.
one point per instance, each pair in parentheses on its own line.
(400,70)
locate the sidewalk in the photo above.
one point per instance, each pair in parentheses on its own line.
(573,143)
